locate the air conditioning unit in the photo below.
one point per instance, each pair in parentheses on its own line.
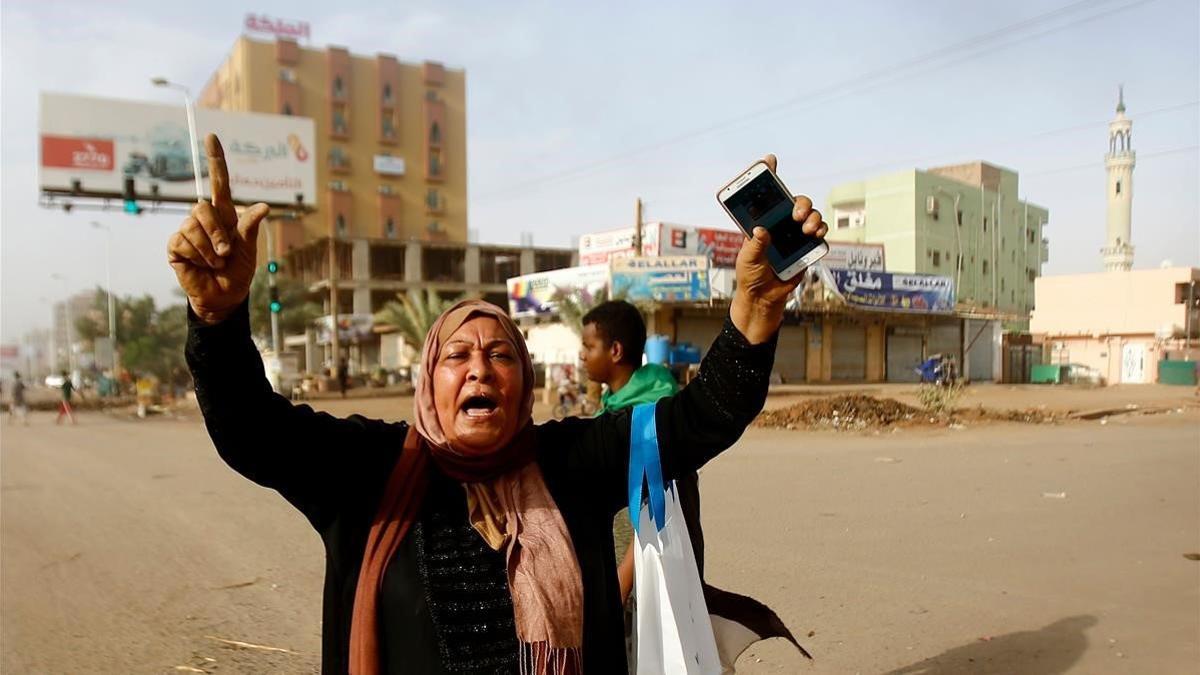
(931,205)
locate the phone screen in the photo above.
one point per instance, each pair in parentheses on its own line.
(762,203)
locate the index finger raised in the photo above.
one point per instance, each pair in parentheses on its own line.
(218,173)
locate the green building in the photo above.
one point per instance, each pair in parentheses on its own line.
(963,221)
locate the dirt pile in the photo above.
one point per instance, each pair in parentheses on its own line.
(846,412)
(857,412)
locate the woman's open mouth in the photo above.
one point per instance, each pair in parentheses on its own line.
(479,407)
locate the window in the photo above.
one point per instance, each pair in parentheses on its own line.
(430,95)
(985,223)
(339,89)
(337,186)
(985,267)
(937,258)
(433,200)
(339,121)
(387,93)
(1118,187)
(338,158)
(435,134)
(958,217)
(287,109)
(389,228)
(389,130)
(1001,284)
(385,189)
(435,163)
(843,222)
(287,75)
(340,224)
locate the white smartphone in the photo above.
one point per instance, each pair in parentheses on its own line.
(757,198)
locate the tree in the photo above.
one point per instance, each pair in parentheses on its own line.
(150,340)
(572,305)
(414,314)
(299,310)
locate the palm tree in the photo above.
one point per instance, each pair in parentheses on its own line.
(572,305)
(414,314)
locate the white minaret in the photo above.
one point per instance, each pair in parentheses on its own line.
(1118,246)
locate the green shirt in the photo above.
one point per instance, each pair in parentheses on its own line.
(648,384)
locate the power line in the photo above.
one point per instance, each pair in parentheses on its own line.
(1141,114)
(854,85)
(1094,165)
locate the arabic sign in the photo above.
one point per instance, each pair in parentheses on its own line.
(721,246)
(895,292)
(351,327)
(538,294)
(850,256)
(600,247)
(99,142)
(261,23)
(388,165)
(664,279)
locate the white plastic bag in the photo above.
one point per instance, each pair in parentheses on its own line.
(673,633)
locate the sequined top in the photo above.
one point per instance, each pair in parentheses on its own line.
(334,471)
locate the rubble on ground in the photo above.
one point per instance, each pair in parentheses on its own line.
(858,412)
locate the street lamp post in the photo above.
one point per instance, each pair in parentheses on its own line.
(112,306)
(67,313)
(191,118)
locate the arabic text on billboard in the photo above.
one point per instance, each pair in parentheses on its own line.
(850,256)
(100,142)
(895,292)
(664,279)
(538,294)
(599,247)
(261,23)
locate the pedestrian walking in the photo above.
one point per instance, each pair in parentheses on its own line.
(343,376)
(64,405)
(18,409)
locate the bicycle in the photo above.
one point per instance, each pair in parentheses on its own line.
(574,405)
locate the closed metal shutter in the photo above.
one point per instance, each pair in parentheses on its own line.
(980,358)
(903,357)
(946,339)
(791,354)
(849,353)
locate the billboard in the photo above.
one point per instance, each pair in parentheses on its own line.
(351,328)
(895,292)
(537,294)
(99,142)
(664,278)
(600,247)
(844,255)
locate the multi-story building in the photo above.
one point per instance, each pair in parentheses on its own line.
(964,221)
(391,140)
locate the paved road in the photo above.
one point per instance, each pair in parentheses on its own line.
(128,547)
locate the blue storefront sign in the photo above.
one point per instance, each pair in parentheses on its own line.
(895,292)
(664,279)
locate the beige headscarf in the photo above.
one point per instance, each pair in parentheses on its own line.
(508,504)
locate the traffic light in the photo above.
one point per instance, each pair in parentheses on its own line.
(272,267)
(130,195)
(276,306)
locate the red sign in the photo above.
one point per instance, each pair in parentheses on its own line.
(66,152)
(722,245)
(264,24)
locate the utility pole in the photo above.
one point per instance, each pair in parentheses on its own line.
(335,342)
(275,306)
(637,229)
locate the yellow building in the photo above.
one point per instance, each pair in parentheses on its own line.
(391,137)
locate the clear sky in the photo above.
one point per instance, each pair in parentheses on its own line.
(576,108)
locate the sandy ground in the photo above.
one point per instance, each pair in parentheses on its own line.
(128,547)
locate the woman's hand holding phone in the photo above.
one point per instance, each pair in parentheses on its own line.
(760,297)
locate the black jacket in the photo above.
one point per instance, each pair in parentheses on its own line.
(334,470)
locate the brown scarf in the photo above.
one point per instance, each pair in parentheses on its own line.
(508,504)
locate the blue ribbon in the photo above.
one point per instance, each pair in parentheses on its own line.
(644,463)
